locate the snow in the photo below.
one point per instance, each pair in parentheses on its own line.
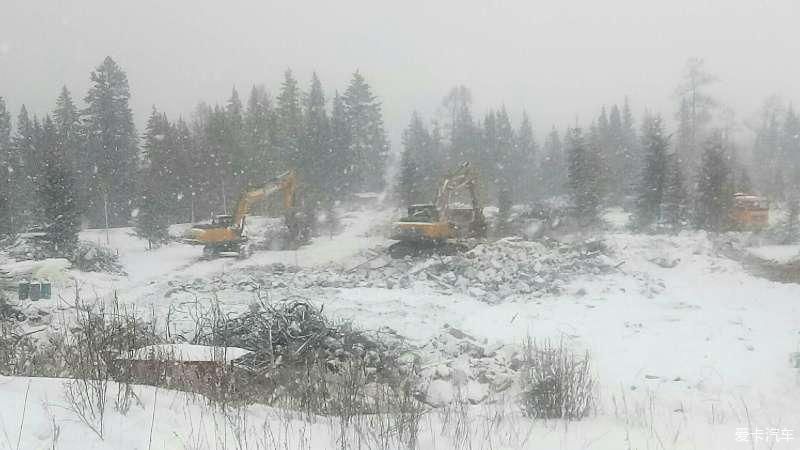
(776,253)
(686,345)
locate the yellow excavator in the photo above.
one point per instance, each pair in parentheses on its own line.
(439,227)
(226,233)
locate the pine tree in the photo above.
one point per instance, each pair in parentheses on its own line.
(692,95)
(683,143)
(415,184)
(234,145)
(58,193)
(317,156)
(552,167)
(583,175)
(675,207)
(629,152)
(504,160)
(68,126)
(24,165)
(258,129)
(653,182)
(342,163)
(462,133)
(289,116)
(790,145)
(185,173)
(152,220)
(6,160)
(714,191)
(524,161)
(369,147)
(108,162)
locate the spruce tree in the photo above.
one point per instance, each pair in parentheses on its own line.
(24,165)
(68,126)
(317,155)
(342,163)
(524,161)
(416,184)
(629,152)
(289,116)
(109,159)
(58,192)
(552,168)
(258,120)
(692,95)
(234,145)
(369,146)
(152,220)
(506,176)
(675,209)
(582,172)
(5,169)
(714,191)
(461,130)
(653,181)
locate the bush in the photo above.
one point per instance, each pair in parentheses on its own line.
(556,383)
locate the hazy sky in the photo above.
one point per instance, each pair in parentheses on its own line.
(558,58)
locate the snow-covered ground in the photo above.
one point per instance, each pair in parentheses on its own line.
(780,254)
(688,348)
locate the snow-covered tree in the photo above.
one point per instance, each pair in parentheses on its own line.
(714,190)
(317,155)
(58,192)
(675,210)
(552,167)
(583,176)
(158,195)
(653,181)
(417,182)
(369,147)
(524,161)
(695,107)
(108,161)
(289,123)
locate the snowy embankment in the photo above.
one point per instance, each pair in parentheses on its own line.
(780,254)
(686,345)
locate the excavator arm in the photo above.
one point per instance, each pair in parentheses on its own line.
(285,183)
(463,178)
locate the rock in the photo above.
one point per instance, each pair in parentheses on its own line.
(439,393)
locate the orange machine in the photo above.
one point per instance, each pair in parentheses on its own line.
(431,225)
(226,233)
(750,212)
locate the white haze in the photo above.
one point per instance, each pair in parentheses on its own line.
(561,60)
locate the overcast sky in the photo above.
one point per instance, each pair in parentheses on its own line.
(557,58)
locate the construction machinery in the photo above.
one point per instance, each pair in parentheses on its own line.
(226,233)
(442,227)
(750,212)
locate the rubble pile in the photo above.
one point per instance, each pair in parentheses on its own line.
(490,272)
(86,256)
(290,332)
(466,369)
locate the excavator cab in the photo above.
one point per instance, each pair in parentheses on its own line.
(425,212)
(222,221)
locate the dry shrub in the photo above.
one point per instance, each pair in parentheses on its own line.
(556,383)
